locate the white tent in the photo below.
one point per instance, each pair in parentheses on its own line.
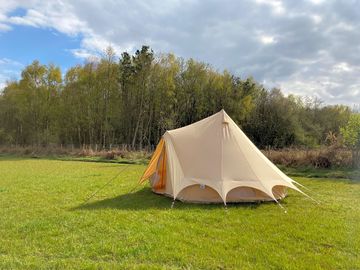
(212,160)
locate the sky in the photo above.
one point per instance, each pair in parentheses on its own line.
(308,48)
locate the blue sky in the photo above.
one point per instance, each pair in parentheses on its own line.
(307,47)
(24,44)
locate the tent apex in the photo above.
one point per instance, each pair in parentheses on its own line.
(223,112)
(225,117)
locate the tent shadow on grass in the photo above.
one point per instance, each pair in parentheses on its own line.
(144,199)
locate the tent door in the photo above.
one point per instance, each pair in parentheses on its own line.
(161,172)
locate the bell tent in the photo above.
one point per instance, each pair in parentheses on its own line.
(213,161)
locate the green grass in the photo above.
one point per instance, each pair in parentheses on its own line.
(334,173)
(117,160)
(44,223)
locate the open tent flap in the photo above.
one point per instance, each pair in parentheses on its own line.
(152,167)
(160,181)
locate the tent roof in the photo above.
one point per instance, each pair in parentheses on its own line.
(215,152)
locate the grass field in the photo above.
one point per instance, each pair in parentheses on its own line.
(44,223)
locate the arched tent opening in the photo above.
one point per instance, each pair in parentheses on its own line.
(279,192)
(247,194)
(198,193)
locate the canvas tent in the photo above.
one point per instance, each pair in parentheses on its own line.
(213,161)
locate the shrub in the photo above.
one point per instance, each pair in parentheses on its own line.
(326,157)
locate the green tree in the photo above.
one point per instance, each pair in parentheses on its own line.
(142,62)
(29,106)
(274,121)
(351,136)
(133,101)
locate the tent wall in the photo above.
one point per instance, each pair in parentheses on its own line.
(212,160)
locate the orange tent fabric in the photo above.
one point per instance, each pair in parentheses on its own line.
(160,184)
(152,167)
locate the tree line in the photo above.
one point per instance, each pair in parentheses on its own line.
(134,99)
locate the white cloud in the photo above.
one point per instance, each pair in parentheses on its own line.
(316,2)
(316,18)
(56,15)
(305,47)
(6,61)
(276,5)
(4,27)
(342,67)
(343,26)
(82,53)
(267,39)
(9,70)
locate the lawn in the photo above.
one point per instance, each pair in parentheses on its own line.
(44,223)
